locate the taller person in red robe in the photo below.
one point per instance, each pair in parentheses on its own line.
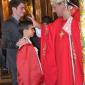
(62,63)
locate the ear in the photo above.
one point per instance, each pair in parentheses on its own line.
(13,8)
(24,31)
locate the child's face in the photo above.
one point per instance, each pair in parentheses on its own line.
(30,31)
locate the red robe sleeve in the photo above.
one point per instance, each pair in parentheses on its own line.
(77,45)
(49,60)
(78,51)
(28,66)
(75,12)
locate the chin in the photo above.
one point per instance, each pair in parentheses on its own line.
(32,35)
(22,15)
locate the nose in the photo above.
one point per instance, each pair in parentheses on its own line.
(24,10)
(53,9)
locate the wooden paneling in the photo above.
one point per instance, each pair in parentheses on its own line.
(46,8)
(49,8)
(5,9)
(37,7)
(43,7)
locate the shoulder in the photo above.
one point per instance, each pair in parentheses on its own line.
(8,21)
(8,24)
(58,21)
(26,46)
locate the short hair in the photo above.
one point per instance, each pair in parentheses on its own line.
(24,25)
(14,3)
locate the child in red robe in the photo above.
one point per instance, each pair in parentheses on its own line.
(29,71)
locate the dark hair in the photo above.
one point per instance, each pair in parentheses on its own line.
(24,25)
(14,3)
(46,19)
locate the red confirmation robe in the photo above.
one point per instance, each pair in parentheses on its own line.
(44,38)
(57,62)
(28,66)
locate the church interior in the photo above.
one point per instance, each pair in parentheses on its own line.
(39,8)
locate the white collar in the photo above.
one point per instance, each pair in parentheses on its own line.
(29,41)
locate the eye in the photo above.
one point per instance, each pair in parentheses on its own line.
(63,2)
(22,8)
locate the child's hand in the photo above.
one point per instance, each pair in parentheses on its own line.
(21,42)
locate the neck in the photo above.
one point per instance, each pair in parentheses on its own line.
(26,36)
(16,17)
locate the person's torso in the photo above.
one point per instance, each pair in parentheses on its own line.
(12,32)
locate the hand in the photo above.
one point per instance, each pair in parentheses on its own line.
(21,42)
(35,23)
(32,16)
(66,13)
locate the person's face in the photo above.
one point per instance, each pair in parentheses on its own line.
(20,10)
(30,31)
(58,8)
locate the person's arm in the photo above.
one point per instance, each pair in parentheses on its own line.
(35,23)
(38,32)
(4,36)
